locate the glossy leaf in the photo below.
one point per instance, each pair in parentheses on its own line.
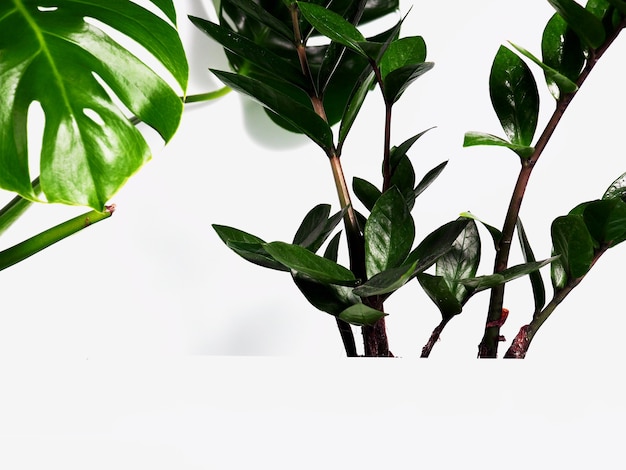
(396,153)
(254,11)
(481,283)
(403,178)
(461,261)
(248,246)
(54,56)
(572,240)
(298,115)
(496,235)
(397,81)
(361,315)
(333,26)
(562,51)
(564,85)
(387,281)
(438,290)
(428,179)
(436,244)
(536,281)
(617,190)
(332,249)
(355,102)
(479,138)
(301,260)
(316,227)
(514,96)
(328,298)
(366,192)
(606,221)
(584,23)
(389,233)
(401,53)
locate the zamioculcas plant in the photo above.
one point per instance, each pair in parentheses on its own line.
(92,92)
(317,89)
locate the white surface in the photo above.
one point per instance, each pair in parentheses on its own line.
(119,310)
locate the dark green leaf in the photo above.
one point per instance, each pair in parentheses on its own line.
(573,242)
(332,250)
(397,81)
(387,281)
(354,105)
(55,55)
(481,283)
(366,192)
(561,50)
(389,233)
(496,235)
(39,242)
(295,113)
(361,315)
(428,179)
(620,5)
(439,292)
(248,246)
(480,138)
(401,150)
(328,298)
(461,261)
(606,221)
(401,53)
(584,23)
(514,96)
(436,244)
(558,274)
(564,85)
(617,190)
(254,11)
(403,178)
(301,260)
(536,281)
(316,227)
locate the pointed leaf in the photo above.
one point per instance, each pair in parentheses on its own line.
(254,11)
(496,235)
(439,292)
(436,244)
(397,81)
(328,298)
(387,281)
(401,150)
(301,260)
(361,315)
(389,233)
(403,178)
(481,283)
(428,179)
(295,113)
(514,96)
(480,138)
(248,246)
(536,281)
(583,22)
(366,192)
(573,242)
(355,102)
(54,56)
(316,227)
(403,52)
(332,250)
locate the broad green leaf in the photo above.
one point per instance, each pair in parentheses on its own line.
(461,261)
(361,315)
(39,242)
(438,290)
(389,233)
(536,281)
(583,22)
(397,81)
(258,55)
(617,190)
(403,178)
(571,239)
(333,26)
(514,96)
(496,235)
(328,298)
(401,53)
(428,179)
(482,283)
(606,221)
(480,138)
(366,192)
(292,111)
(316,227)
(436,244)
(401,150)
(301,260)
(387,281)
(54,56)
(563,84)
(248,246)
(562,51)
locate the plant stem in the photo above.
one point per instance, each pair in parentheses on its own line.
(434,337)
(488,347)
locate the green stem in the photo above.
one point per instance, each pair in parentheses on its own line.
(488,347)
(211,95)
(15,208)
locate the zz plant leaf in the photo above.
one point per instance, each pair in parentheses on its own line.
(583,22)
(55,57)
(571,239)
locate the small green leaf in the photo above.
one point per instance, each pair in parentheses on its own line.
(387,281)
(478,284)
(536,281)
(298,115)
(366,192)
(354,104)
(403,52)
(389,233)
(428,179)
(438,290)
(301,260)
(332,249)
(248,246)
(361,315)
(397,81)
(403,178)
(564,84)
(574,243)
(401,150)
(514,96)
(317,227)
(333,26)
(584,23)
(480,138)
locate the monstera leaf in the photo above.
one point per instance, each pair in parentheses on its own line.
(53,52)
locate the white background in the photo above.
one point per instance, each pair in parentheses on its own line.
(118,344)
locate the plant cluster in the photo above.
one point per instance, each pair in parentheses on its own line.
(309,86)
